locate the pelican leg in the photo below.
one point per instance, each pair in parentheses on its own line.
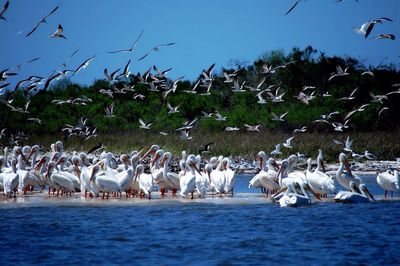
(174,192)
(385,193)
(192,195)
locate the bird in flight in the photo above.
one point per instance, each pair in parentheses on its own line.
(293,6)
(156,49)
(5,7)
(58,32)
(130,49)
(43,20)
(385,36)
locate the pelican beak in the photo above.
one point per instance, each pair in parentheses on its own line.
(323,166)
(347,165)
(146,154)
(24,158)
(154,159)
(31,153)
(282,189)
(369,194)
(275,164)
(140,152)
(59,161)
(39,164)
(312,192)
(195,168)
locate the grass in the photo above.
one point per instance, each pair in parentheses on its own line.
(385,145)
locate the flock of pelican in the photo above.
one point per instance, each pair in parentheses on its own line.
(26,170)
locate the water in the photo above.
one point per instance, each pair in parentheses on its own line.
(246,229)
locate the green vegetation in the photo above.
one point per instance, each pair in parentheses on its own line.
(311,68)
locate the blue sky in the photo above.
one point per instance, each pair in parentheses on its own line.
(205,32)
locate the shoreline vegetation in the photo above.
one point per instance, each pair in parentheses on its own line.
(242,145)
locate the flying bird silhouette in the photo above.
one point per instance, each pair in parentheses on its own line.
(156,49)
(43,20)
(130,49)
(5,7)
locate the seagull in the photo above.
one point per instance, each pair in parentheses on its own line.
(368,72)
(111,77)
(219,117)
(261,99)
(378,98)
(329,116)
(34,119)
(144,125)
(58,32)
(278,117)
(229,78)
(300,130)
(369,155)
(156,48)
(110,110)
(339,126)
(287,143)
(231,129)
(383,109)
(339,73)
(277,98)
(69,58)
(172,110)
(5,7)
(207,73)
(346,144)
(238,88)
(185,134)
(84,64)
(304,98)
(257,88)
(205,148)
(43,20)
(385,36)
(188,125)
(23,110)
(254,128)
(277,150)
(360,109)
(130,49)
(292,7)
(350,97)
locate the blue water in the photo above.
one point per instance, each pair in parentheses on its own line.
(208,232)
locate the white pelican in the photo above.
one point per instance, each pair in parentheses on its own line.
(345,177)
(74,177)
(188,180)
(106,183)
(294,198)
(295,175)
(59,181)
(86,176)
(388,181)
(146,183)
(319,182)
(358,194)
(266,178)
(9,180)
(229,174)
(218,179)
(171,180)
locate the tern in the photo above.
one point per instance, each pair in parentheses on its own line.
(58,32)
(278,117)
(144,125)
(287,143)
(155,49)
(109,110)
(130,49)
(43,20)
(254,128)
(339,72)
(5,7)
(172,110)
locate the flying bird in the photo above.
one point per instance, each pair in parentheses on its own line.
(172,110)
(339,73)
(300,130)
(130,49)
(287,143)
(58,32)
(385,36)
(144,125)
(43,20)
(293,6)
(5,7)
(156,49)
(84,64)
(111,77)
(360,109)
(69,58)
(205,148)
(278,117)
(109,110)
(254,128)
